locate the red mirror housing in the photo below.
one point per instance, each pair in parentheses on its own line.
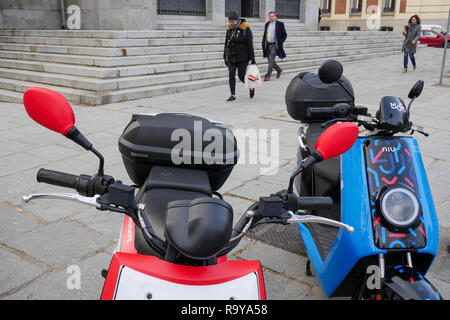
(50,109)
(337,139)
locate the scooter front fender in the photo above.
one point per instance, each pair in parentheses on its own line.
(405,283)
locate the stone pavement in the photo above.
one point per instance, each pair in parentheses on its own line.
(39,240)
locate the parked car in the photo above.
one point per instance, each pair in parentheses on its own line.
(432,38)
(434,27)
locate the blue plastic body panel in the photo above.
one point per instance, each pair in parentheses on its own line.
(348,248)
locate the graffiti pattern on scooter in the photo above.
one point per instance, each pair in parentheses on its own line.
(389,165)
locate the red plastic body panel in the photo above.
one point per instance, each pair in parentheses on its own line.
(225,270)
(187,275)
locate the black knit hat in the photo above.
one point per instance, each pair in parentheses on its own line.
(233,16)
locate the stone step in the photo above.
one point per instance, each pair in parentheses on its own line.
(154,90)
(144,42)
(162,58)
(124,89)
(18,86)
(162,50)
(113,96)
(146,68)
(10,96)
(138,34)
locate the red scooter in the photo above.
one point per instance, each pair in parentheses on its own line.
(177,229)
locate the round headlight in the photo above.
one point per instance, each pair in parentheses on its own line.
(400,207)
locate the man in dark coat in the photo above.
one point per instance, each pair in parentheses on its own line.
(272,43)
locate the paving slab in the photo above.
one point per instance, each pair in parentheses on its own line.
(43,240)
(13,265)
(58,243)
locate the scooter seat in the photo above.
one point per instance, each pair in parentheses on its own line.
(164,185)
(199,229)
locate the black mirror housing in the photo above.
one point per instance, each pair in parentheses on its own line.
(330,71)
(416,90)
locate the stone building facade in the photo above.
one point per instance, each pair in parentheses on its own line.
(338,15)
(144,14)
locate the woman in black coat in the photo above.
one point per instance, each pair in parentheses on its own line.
(238,51)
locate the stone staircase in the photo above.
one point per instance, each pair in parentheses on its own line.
(100,67)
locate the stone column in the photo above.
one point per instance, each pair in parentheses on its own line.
(309,14)
(215,11)
(265,6)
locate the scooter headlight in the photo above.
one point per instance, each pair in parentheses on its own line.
(399,207)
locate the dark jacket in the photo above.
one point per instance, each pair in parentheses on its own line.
(281,37)
(239,43)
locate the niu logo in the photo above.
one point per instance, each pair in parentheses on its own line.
(389,149)
(398,107)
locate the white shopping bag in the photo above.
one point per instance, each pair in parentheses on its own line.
(252,77)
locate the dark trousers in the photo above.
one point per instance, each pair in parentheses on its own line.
(271,51)
(405,59)
(241,68)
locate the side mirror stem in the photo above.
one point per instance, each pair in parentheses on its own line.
(102,162)
(346,90)
(315,157)
(409,106)
(75,135)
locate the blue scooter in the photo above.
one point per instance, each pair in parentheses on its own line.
(379,187)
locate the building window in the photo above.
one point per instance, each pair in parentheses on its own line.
(388,6)
(356,6)
(325,6)
(182,7)
(287,9)
(244,8)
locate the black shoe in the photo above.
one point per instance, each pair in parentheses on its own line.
(231,98)
(252,93)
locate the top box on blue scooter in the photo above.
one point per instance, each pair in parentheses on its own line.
(307,91)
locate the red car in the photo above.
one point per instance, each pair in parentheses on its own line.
(432,38)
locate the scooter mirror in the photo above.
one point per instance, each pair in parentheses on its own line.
(330,71)
(337,139)
(50,109)
(416,90)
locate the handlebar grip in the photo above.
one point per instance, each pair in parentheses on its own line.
(58,178)
(320,113)
(314,203)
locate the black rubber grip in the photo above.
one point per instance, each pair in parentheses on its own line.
(321,112)
(314,203)
(57,178)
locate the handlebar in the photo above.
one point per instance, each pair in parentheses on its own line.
(85,185)
(314,203)
(340,110)
(57,178)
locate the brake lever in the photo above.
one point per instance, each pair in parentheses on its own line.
(63,196)
(315,219)
(419,130)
